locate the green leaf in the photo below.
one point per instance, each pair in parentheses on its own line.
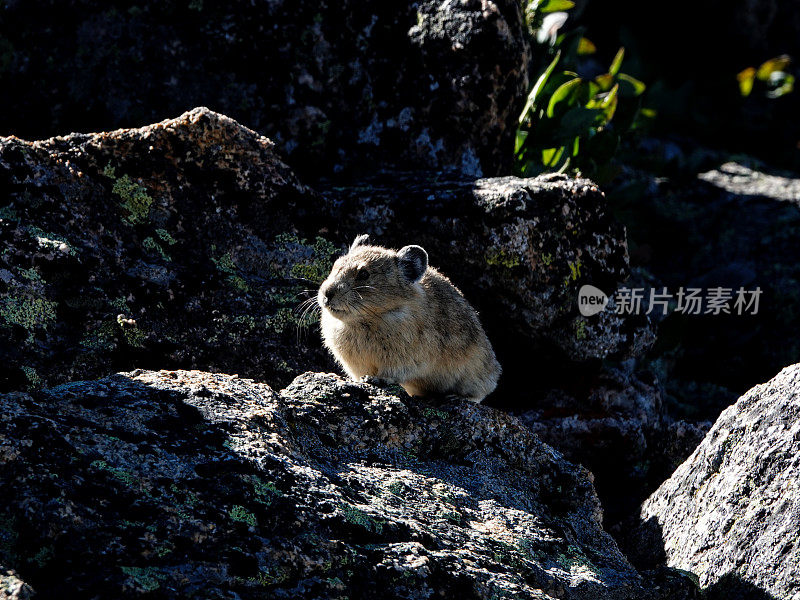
(565,93)
(576,146)
(550,156)
(519,141)
(586,47)
(555,81)
(604,82)
(637,86)
(576,121)
(617,62)
(746,80)
(773,65)
(537,88)
(548,6)
(602,146)
(649,113)
(606,105)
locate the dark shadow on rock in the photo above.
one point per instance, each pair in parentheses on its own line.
(732,586)
(733,226)
(643,544)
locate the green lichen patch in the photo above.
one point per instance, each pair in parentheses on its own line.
(265,491)
(122,475)
(147,579)
(101,338)
(500,257)
(356,516)
(43,556)
(241,514)
(151,246)
(432,413)
(226,265)
(34,381)
(32,313)
(580,329)
(574,272)
(321,256)
(165,237)
(134,199)
(31,275)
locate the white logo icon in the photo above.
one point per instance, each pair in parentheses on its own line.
(591,300)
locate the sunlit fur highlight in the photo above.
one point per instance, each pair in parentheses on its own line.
(421,334)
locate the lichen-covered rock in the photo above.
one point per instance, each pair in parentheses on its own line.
(189,244)
(520,249)
(731,512)
(342,85)
(172,244)
(186,484)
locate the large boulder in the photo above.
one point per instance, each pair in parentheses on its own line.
(188,243)
(179,484)
(159,245)
(520,249)
(731,513)
(337,85)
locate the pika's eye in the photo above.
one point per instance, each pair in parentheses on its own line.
(362,275)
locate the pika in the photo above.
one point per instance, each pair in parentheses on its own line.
(388,315)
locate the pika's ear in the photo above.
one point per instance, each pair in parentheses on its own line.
(413,262)
(361,240)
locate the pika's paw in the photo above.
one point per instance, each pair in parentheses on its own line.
(376,381)
(451,397)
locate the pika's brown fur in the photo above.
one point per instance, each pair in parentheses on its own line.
(386,314)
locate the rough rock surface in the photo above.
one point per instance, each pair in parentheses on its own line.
(191,484)
(189,244)
(731,513)
(154,246)
(520,249)
(337,85)
(12,587)
(733,226)
(618,429)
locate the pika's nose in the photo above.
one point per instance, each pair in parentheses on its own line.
(327,295)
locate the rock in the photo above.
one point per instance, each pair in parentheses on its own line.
(12,587)
(619,430)
(737,227)
(188,243)
(181,483)
(729,514)
(518,248)
(339,86)
(169,244)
